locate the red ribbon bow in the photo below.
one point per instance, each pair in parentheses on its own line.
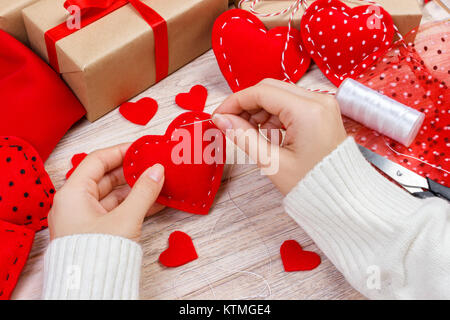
(93,10)
(88,5)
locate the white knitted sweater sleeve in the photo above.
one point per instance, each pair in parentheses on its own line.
(92,266)
(387,244)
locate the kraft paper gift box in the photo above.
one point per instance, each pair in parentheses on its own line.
(11,20)
(113,59)
(405,13)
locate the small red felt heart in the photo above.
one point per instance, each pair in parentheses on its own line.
(193,153)
(344,42)
(193,100)
(76,160)
(15,245)
(26,191)
(247,53)
(139,112)
(181,250)
(296,259)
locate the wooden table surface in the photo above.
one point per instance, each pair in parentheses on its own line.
(238,242)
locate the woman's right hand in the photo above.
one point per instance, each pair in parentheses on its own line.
(313,124)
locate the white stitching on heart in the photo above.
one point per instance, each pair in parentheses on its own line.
(221,43)
(341,77)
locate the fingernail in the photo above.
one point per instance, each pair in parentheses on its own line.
(156,172)
(222,122)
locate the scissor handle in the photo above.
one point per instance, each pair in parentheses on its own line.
(438,189)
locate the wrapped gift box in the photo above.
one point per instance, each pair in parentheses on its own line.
(113,59)
(405,13)
(11,20)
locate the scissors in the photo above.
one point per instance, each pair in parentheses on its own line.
(415,184)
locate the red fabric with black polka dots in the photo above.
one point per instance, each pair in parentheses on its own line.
(417,77)
(26,191)
(15,245)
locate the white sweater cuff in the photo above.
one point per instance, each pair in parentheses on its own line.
(350,210)
(92,266)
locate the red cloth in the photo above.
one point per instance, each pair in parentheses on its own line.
(94,10)
(417,77)
(15,245)
(36,105)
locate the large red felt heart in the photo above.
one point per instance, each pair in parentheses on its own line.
(26,191)
(181,250)
(247,53)
(15,245)
(296,259)
(193,100)
(139,112)
(343,41)
(193,153)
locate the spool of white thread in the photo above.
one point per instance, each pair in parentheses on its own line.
(378,112)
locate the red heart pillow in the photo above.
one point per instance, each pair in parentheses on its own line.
(344,42)
(194,100)
(181,250)
(247,53)
(193,156)
(36,105)
(26,191)
(296,259)
(15,245)
(139,112)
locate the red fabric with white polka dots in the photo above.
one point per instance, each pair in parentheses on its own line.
(419,78)
(344,42)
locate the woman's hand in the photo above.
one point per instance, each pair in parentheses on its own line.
(96,198)
(312,121)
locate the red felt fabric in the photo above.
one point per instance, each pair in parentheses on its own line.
(76,160)
(15,245)
(296,259)
(417,76)
(191,182)
(26,191)
(181,250)
(35,104)
(194,100)
(344,42)
(247,53)
(139,112)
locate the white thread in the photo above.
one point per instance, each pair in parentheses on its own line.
(265,245)
(417,159)
(379,112)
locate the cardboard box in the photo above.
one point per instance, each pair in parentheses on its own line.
(405,13)
(11,20)
(113,59)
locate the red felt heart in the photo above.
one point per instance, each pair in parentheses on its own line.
(343,41)
(26,191)
(76,160)
(139,112)
(193,100)
(247,53)
(15,245)
(296,259)
(181,250)
(191,179)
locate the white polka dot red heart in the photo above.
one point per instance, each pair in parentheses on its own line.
(342,41)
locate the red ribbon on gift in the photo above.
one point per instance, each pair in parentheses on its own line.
(93,10)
